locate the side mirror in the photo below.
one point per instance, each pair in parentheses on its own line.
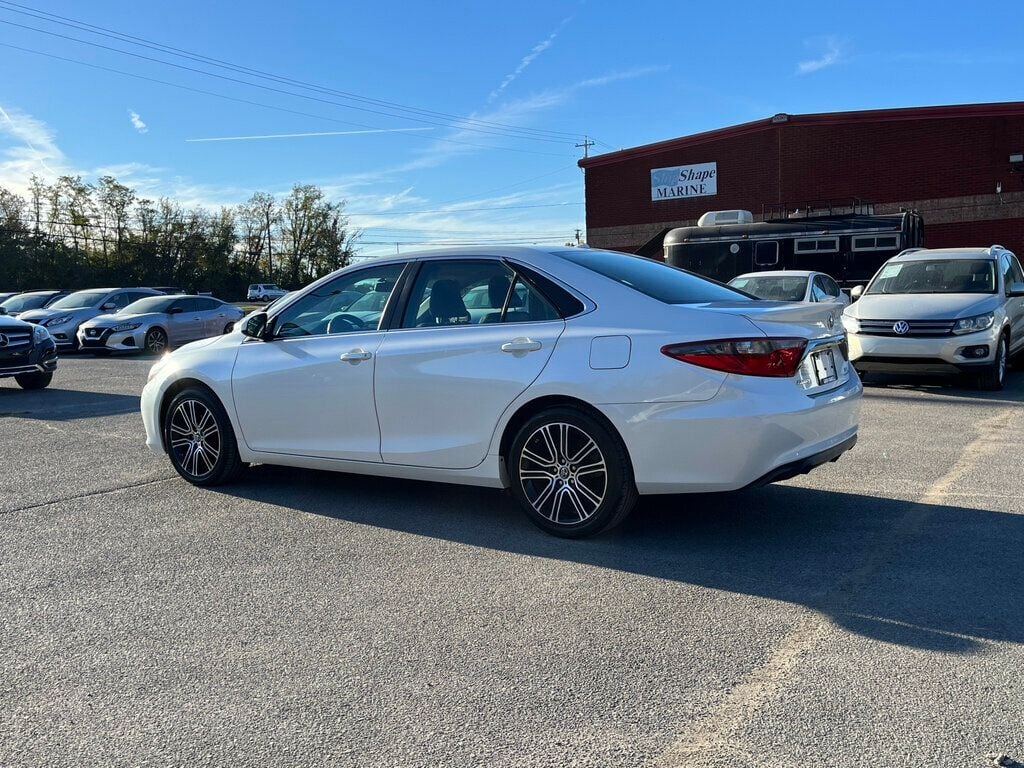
(255,326)
(3,311)
(175,311)
(1016,289)
(856,292)
(108,306)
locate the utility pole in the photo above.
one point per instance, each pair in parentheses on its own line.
(270,247)
(586,144)
(577,236)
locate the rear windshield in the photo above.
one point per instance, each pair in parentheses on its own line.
(652,278)
(940,276)
(773,288)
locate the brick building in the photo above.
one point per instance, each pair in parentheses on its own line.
(959,166)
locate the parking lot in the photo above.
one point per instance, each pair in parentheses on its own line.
(870,613)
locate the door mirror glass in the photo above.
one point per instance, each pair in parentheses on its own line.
(1016,289)
(255,326)
(857,292)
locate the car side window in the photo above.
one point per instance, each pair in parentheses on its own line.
(205,305)
(818,290)
(831,287)
(1011,271)
(122,300)
(469,292)
(331,308)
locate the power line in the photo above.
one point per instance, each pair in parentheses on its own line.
(267,106)
(195,70)
(153,45)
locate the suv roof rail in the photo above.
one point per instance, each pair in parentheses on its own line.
(996,247)
(909,250)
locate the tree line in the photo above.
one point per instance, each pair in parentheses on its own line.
(72,234)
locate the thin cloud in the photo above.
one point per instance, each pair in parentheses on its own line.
(304,135)
(137,123)
(34,150)
(518,112)
(832,54)
(528,59)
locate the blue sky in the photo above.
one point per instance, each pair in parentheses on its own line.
(624,73)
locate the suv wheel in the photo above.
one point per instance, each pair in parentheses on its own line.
(38,380)
(571,474)
(994,376)
(199,439)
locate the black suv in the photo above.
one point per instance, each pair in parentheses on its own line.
(27,352)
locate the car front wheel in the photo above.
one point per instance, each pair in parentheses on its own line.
(571,474)
(34,380)
(994,376)
(156,341)
(199,439)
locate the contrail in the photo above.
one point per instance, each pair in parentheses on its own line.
(303,135)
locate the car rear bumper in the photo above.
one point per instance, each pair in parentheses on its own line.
(754,431)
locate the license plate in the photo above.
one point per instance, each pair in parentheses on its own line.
(825,366)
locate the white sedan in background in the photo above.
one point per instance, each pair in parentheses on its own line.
(580,379)
(792,285)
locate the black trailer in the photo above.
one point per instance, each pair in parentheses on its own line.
(849,246)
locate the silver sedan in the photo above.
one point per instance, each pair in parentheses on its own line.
(156,322)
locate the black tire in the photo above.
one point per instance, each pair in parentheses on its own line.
(558,443)
(202,457)
(994,376)
(155,342)
(38,380)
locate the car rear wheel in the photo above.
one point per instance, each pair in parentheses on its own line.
(994,376)
(156,341)
(34,380)
(199,439)
(571,474)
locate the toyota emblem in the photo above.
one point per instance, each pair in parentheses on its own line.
(901,327)
(3,340)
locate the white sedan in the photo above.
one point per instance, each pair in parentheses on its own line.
(583,379)
(792,285)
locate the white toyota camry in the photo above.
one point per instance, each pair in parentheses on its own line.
(576,378)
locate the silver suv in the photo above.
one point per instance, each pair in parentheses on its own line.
(947,310)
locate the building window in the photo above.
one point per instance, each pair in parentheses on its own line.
(766,253)
(817,245)
(875,243)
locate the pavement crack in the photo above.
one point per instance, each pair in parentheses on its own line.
(88,494)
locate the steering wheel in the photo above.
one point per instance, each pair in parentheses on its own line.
(344,322)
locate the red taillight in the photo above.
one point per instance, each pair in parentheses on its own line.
(749,357)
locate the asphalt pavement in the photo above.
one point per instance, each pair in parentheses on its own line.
(868,614)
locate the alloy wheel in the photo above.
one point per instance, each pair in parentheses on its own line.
(563,473)
(156,341)
(195,438)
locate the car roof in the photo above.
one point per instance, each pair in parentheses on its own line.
(951,254)
(780,273)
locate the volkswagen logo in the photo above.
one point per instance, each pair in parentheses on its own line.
(3,340)
(831,320)
(901,327)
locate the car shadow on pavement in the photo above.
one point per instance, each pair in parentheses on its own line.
(942,578)
(55,404)
(946,386)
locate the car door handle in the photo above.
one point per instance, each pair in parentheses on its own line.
(356,356)
(521,345)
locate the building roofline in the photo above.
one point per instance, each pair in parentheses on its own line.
(782,120)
